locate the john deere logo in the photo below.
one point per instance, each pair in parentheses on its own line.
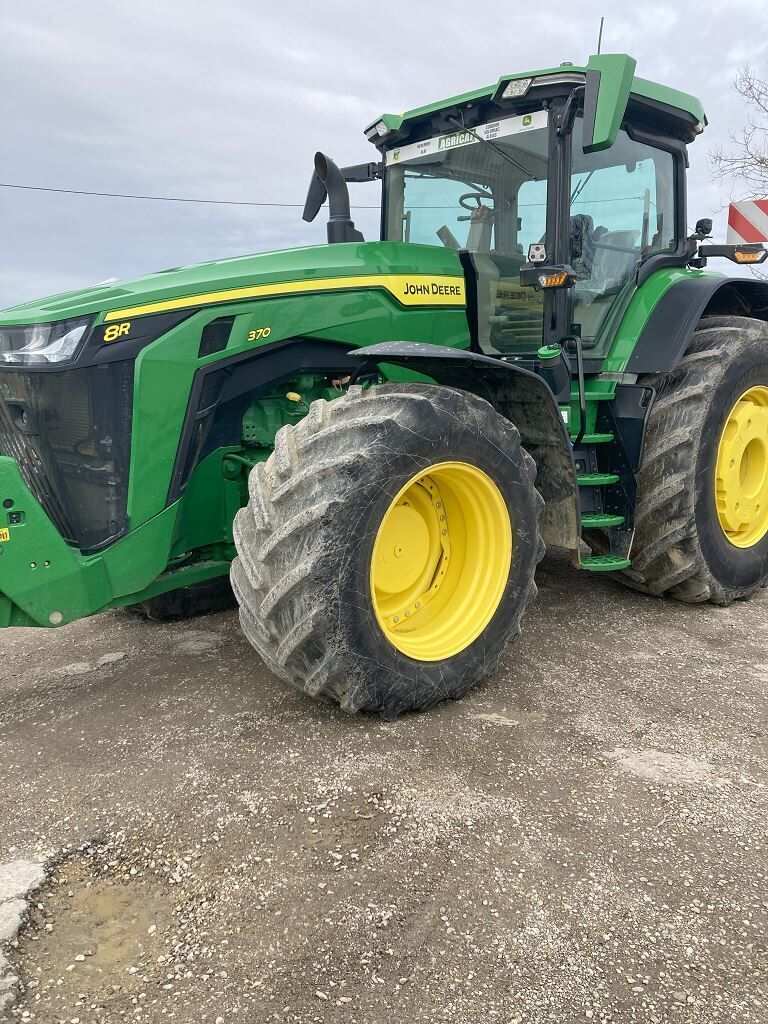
(456,139)
(395,154)
(527,120)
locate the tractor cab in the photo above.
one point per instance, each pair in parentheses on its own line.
(557,168)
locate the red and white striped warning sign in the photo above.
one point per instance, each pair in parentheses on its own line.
(748,221)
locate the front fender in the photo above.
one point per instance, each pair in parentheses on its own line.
(524,399)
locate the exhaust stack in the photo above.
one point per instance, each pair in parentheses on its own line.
(328,180)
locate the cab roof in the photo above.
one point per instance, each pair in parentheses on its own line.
(613,66)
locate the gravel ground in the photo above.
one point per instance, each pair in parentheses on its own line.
(582,838)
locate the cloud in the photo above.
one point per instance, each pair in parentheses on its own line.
(230,101)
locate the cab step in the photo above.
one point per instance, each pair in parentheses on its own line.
(605,563)
(600,520)
(595,439)
(596,479)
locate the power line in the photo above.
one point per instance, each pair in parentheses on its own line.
(157,199)
(243,202)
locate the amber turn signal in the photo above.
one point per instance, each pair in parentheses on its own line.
(553,280)
(749,255)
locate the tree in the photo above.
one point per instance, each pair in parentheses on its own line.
(747,162)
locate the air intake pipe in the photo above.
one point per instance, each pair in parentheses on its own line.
(328,180)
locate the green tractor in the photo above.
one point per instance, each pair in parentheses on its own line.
(374,440)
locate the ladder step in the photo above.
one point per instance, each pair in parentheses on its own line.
(605,563)
(596,479)
(595,438)
(600,520)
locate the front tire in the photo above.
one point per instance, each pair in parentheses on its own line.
(373,568)
(701,532)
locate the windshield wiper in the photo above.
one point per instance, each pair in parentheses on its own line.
(580,188)
(491,145)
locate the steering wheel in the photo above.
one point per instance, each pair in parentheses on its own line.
(479,198)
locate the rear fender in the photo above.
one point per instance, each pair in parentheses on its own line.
(519,395)
(668,331)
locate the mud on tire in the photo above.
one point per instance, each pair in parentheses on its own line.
(305,541)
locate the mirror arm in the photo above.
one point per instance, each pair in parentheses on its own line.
(566,119)
(363,172)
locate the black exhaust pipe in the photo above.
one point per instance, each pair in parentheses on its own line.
(328,180)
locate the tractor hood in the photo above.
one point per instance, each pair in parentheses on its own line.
(206,280)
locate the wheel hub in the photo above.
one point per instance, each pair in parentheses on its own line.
(403,550)
(741,473)
(441,561)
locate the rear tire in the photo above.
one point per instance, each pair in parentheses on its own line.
(680,547)
(304,577)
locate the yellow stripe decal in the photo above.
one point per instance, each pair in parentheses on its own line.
(408,289)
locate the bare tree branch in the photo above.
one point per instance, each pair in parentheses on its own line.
(746,163)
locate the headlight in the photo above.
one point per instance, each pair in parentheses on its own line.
(43,343)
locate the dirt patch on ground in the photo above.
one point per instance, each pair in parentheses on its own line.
(93,940)
(582,838)
(661,766)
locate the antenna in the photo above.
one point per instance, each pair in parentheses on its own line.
(600,36)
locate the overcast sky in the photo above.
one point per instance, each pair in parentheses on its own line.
(230,100)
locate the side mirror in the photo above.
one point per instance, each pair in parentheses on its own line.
(606,94)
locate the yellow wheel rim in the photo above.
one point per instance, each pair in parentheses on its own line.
(741,474)
(441,561)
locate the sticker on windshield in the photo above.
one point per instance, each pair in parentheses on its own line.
(5,536)
(501,129)
(457,139)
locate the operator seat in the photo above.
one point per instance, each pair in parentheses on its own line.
(582,245)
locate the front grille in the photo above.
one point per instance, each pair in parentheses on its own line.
(70,433)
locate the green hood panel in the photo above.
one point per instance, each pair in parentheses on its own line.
(308,263)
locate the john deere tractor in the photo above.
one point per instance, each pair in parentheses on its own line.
(374,440)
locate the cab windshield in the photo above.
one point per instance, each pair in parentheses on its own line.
(455,191)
